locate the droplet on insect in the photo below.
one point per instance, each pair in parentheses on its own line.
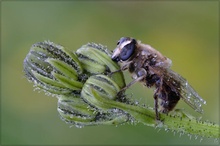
(143,53)
(134,76)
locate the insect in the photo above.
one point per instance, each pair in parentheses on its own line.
(151,68)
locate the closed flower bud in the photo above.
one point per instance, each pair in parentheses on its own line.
(96,59)
(75,111)
(104,86)
(53,68)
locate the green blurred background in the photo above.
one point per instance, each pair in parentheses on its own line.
(186,31)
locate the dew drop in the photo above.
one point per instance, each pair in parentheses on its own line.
(216,140)
(71,126)
(143,53)
(115,110)
(79,126)
(190,136)
(201,139)
(181,133)
(196,136)
(136,102)
(166,129)
(134,76)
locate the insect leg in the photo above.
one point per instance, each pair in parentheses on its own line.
(123,68)
(141,74)
(111,73)
(156,105)
(131,83)
(157,92)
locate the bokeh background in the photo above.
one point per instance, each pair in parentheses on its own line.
(185,31)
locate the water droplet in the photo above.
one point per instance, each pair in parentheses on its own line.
(134,76)
(190,136)
(143,53)
(196,136)
(79,126)
(201,139)
(167,129)
(216,140)
(115,110)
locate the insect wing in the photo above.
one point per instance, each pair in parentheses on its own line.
(187,93)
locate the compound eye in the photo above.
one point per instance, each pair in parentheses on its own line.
(127,51)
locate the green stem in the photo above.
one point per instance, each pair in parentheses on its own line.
(180,122)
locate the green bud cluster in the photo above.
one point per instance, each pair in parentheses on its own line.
(62,73)
(87,92)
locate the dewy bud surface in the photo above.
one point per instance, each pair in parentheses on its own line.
(53,68)
(60,72)
(96,59)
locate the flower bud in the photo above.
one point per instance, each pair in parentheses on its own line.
(96,59)
(74,110)
(106,88)
(53,68)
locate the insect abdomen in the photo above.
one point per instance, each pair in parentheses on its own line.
(169,97)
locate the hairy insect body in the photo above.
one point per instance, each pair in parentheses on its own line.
(151,68)
(145,63)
